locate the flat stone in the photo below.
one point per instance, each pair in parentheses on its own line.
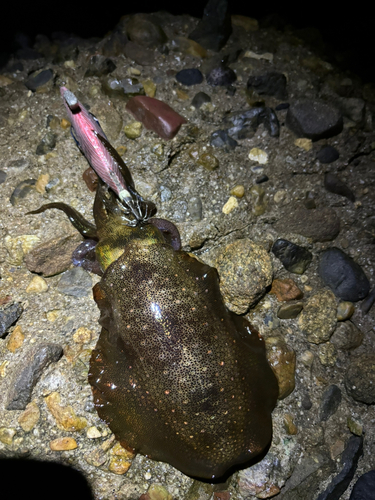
(294,258)
(349,461)
(29,418)
(282,359)
(321,224)
(318,318)
(360,378)
(8,316)
(345,310)
(156,116)
(314,119)
(38,80)
(343,275)
(285,289)
(335,185)
(65,416)
(28,372)
(271,83)
(189,76)
(289,311)
(76,282)
(331,400)
(63,444)
(215,27)
(364,487)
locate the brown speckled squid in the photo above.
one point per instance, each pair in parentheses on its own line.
(175,374)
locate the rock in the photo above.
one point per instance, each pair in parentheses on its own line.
(133,130)
(53,256)
(140,55)
(345,310)
(199,99)
(364,487)
(195,208)
(230,205)
(369,302)
(215,27)
(19,246)
(289,424)
(76,282)
(360,378)
(123,89)
(331,400)
(22,190)
(65,416)
(327,354)
(334,185)
(3,175)
(15,339)
(285,289)
(261,179)
(355,426)
(258,201)
(347,336)
(222,76)
(238,191)
(28,372)
(156,115)
(114,44)
(8,316)
(294,258)
(271,83)
(344,276)
(63,444)
(41,183)
(7,434)
(149,87)
(29,418)
(258,155)
(188,46)
(289,311)
(318,318)
(37,285)
(144,31)
(245,271)
(99,66)
(282,360)
(221,139)
(208,160)
(328,154)
(47,144)
(91,180)
(38,80)
(189,76)
(303,143)
(349,461)
(243,124)
(321,224)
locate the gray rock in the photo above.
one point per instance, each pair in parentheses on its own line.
(294,258)
(330,402)
(76,282)
(8,316)
(360,378)
(3,176)
(199,99)
(271,83)
(215,27)
(314,119)
(28,373)
(47,144)
(347,336)
(343,276)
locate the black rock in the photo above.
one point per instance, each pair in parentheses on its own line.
(221,76)
(28,53)
(21,190)
(306,402)
(76,282)
(328,154)
(189,76)
(8,316)
(294,258)
(314,119)
(46,145)
(261,179)
(335,185)
(100,66)
(200,99)
(3,176)
(349,459)
(243,124)
(283,105)
(215,27)
(271,83)
(330,402)
(34,82)
(364,488)
(28,373)
(369,302)
(221,139)
(343,276)
(360,378)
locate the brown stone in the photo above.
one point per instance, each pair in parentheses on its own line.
(282,359)
(156,116)
(16,339)
(289,424)
(65,416)
(29,417)
(53,256)
(63,444)
(90,178)
(286,289)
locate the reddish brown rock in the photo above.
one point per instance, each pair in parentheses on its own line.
(90,178)
(286,290)
(156,116)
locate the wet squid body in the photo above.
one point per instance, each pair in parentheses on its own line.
(175,374)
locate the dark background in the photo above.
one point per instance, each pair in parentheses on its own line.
(347,29)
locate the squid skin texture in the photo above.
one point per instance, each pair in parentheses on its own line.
(176,376)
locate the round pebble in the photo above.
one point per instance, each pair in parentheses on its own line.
(37,285)
(189,76)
